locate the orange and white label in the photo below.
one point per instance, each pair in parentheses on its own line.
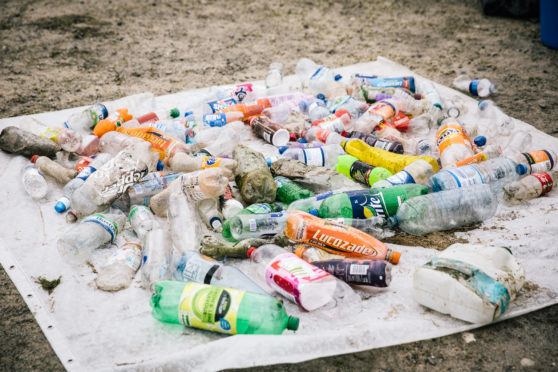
(477,158)
(160,141)
(539,161)
(545,180)
(452,134)
(383,109)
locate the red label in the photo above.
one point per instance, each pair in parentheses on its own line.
(545,180)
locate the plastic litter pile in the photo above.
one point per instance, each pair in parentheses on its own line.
(304,177)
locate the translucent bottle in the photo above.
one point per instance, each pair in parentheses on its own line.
(53,169)
(120,268)
(445,210)
(377,113)
(142,220)
(530,187)
(288,191)
(519,141)
(494,172)
(274,76)
(318,77)
(317,133)
(453,142)
(182,162)
(418,171)
(157,255)
(297,280)
(89,145)
(142,192)
(500,122)
(33,182)
(87,119)
(114,142)
(325,156)
(315,109)
(184,225)
(94,231)
(536,161)
(210,214)
(69,140)
(354,107)
(244,226)
(479,87)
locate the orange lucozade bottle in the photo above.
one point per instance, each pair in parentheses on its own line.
(161,142)
(113,121)
(249,111)
(336,238)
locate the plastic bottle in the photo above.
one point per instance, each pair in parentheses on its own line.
(336,238)
(519,141)
(536,161)
(114,142)
(360,171)
(182,162)
(219,309)
(317,133)
(474,283)
(271,132)
(111,122)
(318,77)
(120,268)
(69,140)
(297,280)
(94,231)
(325,156)
(229,205)
(210,215)
(274,76)
(142,192)
(453,142)
(244,226)
(33,182)
(87,119)
(184,225)
(371,140)
(194,267)
(430,94)
(480,87)
(488,152)
(288,191)
(407,82)
(165,145)
(530,187)
(17,141)
(369,203)
(445,210)
(501,122)
(89,145)
(157,255)
(253,177)
(53,169)
(419,171)
(372,226)
(381,158)
(494,172)
(225,141)
(377,113)
(312,203)
(315,109)
(407,103)
(142,220)
(355,108)
(260,208)
(249,111)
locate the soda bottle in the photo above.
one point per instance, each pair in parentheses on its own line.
(369,203)
(249,111)
(453,142)
(33,182)
(94,231)
(445,210)
(142,220)
(336,238)
(377,113)
(210,215)
(87,119)
(324,156)
(532,186)
(317,133)
(494,172)
(418,172)
(478,87)
(218,309)
(194,267)
(288,191)
(14,140)
(360,171)
(244,226)
(253,177)
(53,169)
(111,122)
(371,140)
(259,208)
(536,161)
(120,268)
(271,132)
(302,283)
(157,255)
(318,77)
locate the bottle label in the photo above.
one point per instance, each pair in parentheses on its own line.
(97,113)
(264,128)
(221,104)
(477,158)
(540,156)
(401,178)
(215,120)
(473,87)
(210,162)
(466,176)
(210,307)
(107,224)
(322,134)
(129,254)
(137,208)
(160,141)
(191,187)
(360,171)
(383,109)
(259,208)
(366,205)
(314,156)
(452,134)
(545,180)
(371,273)
(199,270)
(401,121)
(86,172)
(287,273)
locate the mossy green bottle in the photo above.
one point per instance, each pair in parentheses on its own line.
(258,208)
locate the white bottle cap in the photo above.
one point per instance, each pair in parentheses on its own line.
(281,138)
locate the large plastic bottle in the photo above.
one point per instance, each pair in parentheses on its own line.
(194,267)
(53,169)
(95,231)
(184,223)
(33,182)
(478,87)
(532,186)
(157,256)
(536,161)
(318,77)
(359,171)
(161,143)
(494,172)
(445,210)
(218,309)
(315,109)
(418,172)
(245,226)
(120,268)
(302,283)
(369,203)
(381,143)
(87,119)
(453,142)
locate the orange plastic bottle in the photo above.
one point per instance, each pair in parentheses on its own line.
(336,238)
(113,121)
(249,111)
(161,142)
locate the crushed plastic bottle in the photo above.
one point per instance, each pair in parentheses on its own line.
(33,182)
(530,187)
(120,268)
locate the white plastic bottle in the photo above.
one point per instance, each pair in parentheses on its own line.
(474,283)
(479,87)
(210,215)
(324,156)
(120,268)
(33,182)
(94,231)
(142,220)
(184,223)
(530,187)
(299,281)
(53,169)
(419,171)
(315,109)
(157,256)
(453,142)
(274,76)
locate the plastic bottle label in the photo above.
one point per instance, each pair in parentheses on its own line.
(401,121)
(383,109)
(366,205)
(540,156)
(466,176)
(210,162)
(314,156)
(401,178)
(160,141)
(287,273)
(199,270)
(107,224)
(86,172)
(129,254)
(210,307)
(452,134)
(97,113)
(473,87)
(137,208)
(215,120)
(191,188)
(356,269)
(221,104)
(545,180)
(360,171)
(338,102)
(322,134)
(260,208)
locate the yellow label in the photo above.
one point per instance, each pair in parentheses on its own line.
(210,307)
(50,133)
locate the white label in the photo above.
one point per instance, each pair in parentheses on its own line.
(267,137)
(253,224)
(544,166)
(400,178)
(191,188)
(314,156)
(129,254)
(358,270)
(466,176)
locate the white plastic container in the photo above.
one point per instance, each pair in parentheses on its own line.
(470,282)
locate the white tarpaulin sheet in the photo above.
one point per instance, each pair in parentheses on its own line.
(96,330)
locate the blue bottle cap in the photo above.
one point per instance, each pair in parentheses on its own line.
(188,113)
(521,169)
(393,221)
(282,149)
(302,140)
(303,105)
(321,96)
(313,212)
(160,165)
(338,77)
(60,207)
(480,140)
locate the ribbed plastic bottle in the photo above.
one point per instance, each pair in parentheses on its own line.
(210,214)
(244,226)
(120,268)
(51,168)
(219,309)
(259,208)
(445,210)
(157,257)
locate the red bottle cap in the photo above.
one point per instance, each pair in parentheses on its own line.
(250,251)
(150,117)
(34,158)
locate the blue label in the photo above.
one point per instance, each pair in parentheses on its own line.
(107,224)
(221,104)
(324,195)
(86,172)
(215,120)
(365,204)
(401,178)
(473,87)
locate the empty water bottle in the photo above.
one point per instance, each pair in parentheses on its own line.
(33,182)
(120,268)
(274,76)
(210,214)
(157,255)
(318,77)
(142,220)
(479,87)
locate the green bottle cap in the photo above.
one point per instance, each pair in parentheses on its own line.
(344,163)
(378,174)
(174,113)
(292,323)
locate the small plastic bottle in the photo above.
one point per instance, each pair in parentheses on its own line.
(318,77)
(419,171)
(274,76)
(536,161)
(530,187)
(317,133)
(288,191)
(315,109)
(69,140)
(33,182)
(87,119)
(210,215)
(157,255)
(480,88)
(120,268)
(360,171)
(142,220)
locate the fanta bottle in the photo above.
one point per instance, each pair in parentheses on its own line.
(161,142)
(453,142)
(113,121)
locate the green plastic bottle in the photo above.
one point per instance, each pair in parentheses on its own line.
(368,203)
(360,171)
(251,209)
(219,309)
(288,191)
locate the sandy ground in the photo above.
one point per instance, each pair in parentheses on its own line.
(60,54)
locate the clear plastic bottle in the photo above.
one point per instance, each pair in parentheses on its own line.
(453,142)
(308,286)
(210,215)
(530,187)
(182,162)
(377,113)
(94,231)
(33,182)
(315,109)
(51,168)
(317,133)
(519,141)
(245,226)
(274,76)
(318,77)
(325,156)
(120,268)
(490,151)
(501,122)
(354,107)
(479,87)
(419,171)
(142,192)
(142,220)
(114,142)
(157,255)
(69,140)
(445,210)
(536,161)
(184,223)
(87,119)
(494,172)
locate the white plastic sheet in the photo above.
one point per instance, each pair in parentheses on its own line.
(94,330)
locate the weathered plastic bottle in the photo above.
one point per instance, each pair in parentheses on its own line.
(324,156)
(519,141)
(253,177)
(53,169)
(33,182)
(297,280)
(87,119)
(418,172)
(69,140)
(371,140)
(318,77)
(274,76)
(501,122)
(536,161)
(315,109)
(142,220)
(184,225)
(530,187)
(288,191)
(111,122)
(244,226)
(317,133)
(494,172)
(182,162)
(18,141)
(114,142)
(445,210)
(479,87)
(259,208)
(157,255)
(355,108)
(487,152)
(120,268)
(453,142)
(218,309)
(210,215)
(360,171)
(376,114)
(142,192)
